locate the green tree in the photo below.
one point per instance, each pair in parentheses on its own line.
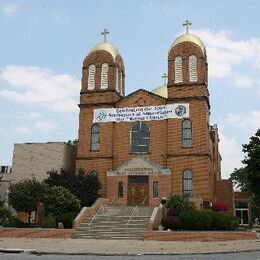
(179,203)
(84,186)
(247,178)
(59,200)
(25,195)
(73,143)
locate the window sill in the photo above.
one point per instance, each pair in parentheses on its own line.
(140,153)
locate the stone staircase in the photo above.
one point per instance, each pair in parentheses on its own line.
(116,222)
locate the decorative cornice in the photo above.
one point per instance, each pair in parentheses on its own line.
(189,154)
(82,92)
(111,104)
(94,158)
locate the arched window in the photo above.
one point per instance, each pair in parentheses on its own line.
(95,137)
(91,76)
(121,82)
(140,138)
(104,76)
(178,69)
(193,68)
(187,183)
(186,133)
(117,80)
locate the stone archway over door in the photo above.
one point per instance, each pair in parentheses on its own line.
(138,190)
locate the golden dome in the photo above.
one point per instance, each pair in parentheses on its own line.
(161,91)
(104,46)
(189,37)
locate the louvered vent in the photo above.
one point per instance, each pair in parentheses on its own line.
(178,70)
(193,68)
(91,77)
(104,76)
(121,83)
(117,83)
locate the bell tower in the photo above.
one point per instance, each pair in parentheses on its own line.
(103,74)
(187,66)
(103,84)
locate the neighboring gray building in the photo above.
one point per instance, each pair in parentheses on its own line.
(5,179)
(36,159)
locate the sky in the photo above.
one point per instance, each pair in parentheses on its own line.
(43,44)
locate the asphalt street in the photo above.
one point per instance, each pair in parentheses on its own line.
(254,255)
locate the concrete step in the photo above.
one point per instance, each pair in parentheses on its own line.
(109,237)
(111,223)
(113,230)
(103,226)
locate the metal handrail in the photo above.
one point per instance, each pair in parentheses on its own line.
(112,200)
(95,215)
(135,208)
(144,199)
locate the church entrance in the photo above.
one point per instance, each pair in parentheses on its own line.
(138,190)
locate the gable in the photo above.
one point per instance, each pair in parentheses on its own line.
(141,97)
(139,165)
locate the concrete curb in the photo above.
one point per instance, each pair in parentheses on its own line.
(17,250)
(35,252)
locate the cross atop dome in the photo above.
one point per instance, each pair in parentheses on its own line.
(164,77)
(187,23)
(104,33)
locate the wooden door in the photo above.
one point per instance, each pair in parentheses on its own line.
(138,190)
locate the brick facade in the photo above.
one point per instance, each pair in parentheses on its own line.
(166,149)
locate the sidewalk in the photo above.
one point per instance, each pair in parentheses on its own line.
(122,247)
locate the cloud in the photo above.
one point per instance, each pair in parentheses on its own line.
(249,122)
(45,126)
(34,115)
(243,81)
(231,153)
(10,9)
(40,87)
(21,130)
(224,53)
(39,126)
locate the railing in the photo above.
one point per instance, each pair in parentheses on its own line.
(101,208)
(144,200)
(110,203)
(135,209)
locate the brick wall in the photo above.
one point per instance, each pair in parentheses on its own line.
(166,135)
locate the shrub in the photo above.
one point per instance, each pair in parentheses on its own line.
(173,212)
(222,221)
(219,221)
(196,220)
(49,221)
(5,213)
(171,222)
(208,220)
(67,218)
(59,200)
(233,224)
(180,203)
(13,221)
(84,186)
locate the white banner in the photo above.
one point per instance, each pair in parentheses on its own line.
(132,114)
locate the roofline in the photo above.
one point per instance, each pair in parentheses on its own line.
(141,90)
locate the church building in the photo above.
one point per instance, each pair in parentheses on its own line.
(148,145)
